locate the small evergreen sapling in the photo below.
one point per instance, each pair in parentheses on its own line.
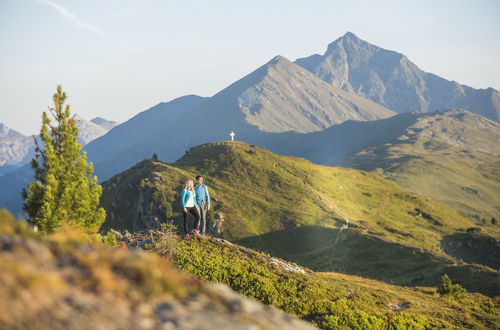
(449,290)
(65,190)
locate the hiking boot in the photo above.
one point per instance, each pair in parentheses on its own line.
(187,236)
(196,232)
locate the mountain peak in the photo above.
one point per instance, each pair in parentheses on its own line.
(211,150)
(107,124)
(350,35)
(278,59)
(5,131)
(282,96)
(97,120)
(347,39)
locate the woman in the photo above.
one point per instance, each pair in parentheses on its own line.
(189,205)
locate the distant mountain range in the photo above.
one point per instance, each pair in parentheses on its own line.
(307,108)
(16,148)
(281,96)
(392,80)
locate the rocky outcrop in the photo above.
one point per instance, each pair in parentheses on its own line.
(473,247)
(215,227)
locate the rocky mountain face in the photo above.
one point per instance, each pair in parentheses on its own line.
(15,148)
(91,130)
(392,80)
(281,96)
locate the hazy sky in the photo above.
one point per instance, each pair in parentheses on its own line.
(116,58)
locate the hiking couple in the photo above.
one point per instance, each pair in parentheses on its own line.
(195,200)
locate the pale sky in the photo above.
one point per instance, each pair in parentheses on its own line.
(116,58)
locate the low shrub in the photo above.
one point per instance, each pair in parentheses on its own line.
(167,242)
(303,294)
(449,290)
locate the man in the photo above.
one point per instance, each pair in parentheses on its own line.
(202,201)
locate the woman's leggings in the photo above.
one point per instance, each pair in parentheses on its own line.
(196,215)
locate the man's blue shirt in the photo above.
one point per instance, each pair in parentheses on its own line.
(202,195)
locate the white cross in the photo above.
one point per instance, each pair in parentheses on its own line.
(232,134)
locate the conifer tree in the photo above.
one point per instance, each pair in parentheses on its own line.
(65,190)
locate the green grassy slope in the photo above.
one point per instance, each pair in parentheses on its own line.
(295,209)
(452,157)
(330,300)
(68,280)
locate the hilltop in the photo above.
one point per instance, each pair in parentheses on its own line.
(299,211)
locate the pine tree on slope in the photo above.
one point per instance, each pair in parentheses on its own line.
(65,191)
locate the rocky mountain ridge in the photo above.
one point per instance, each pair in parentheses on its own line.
(389,78)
